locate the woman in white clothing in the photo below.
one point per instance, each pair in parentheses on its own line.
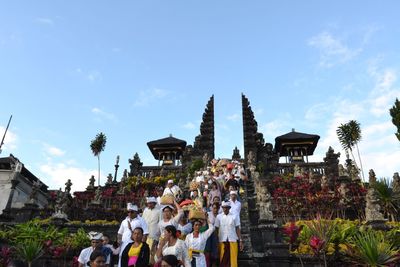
(196,243)
(172,245)
(168,219)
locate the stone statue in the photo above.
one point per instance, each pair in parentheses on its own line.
(97,197)
(206,159)
(251,161)
(91,182)
(61,206)
(68,185)
(343,190)
(109,179)
(297,171)
(371,177)
(372,209)
(342,171)
(35,189)
(324,182)
(124,176)
(264,202)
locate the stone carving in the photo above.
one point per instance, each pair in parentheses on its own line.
(297,171)
(204,142)
(206,159)
(342,171)
(324,182)
(135,165)
(251,161)
(236,154)
(396,183)
(91,183)
(343,190)
(372,209)
(264,202)
(371,177)
(97,197)
(109,179)
(35,189)
(68,185)
(61,206)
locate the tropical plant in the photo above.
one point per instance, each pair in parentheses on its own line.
(196,165)
(349,135)
(370,248)
(387,198)
(395,114)
(30,250)
(97,146)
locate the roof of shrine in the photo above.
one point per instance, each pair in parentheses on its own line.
(296,139)
(167,144)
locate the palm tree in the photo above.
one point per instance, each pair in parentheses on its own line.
(97,145)
(387,198)
(349,135)
(395,113)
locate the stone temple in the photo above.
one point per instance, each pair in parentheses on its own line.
(24,196)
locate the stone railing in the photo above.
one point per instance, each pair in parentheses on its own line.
(311,167)
(149,171)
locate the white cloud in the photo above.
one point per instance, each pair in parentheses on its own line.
(146,97)
(332,50)
(189,125)
(273,129)
(384,93)
(234,117)
(57,175)
(10,140)
(102,114)
(53,151)
(46,21)
(94,76)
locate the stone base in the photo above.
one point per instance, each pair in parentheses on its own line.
(378,225)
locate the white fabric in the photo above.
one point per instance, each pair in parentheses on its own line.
(84,256)
(179,250)
(131,206)
(235,207)
(199,243)
(226,204)
(152,217)
(151,200)
(95,235)
(172,191)
(211,217)
(227,227)
(173,221)
(185,229)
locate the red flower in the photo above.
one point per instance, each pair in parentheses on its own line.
(316,244)
(292,231)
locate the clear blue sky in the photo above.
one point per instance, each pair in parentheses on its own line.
(140,70)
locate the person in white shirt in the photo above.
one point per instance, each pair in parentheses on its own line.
(151,215)
(96,243)
(196,243)
(228,226)
(236,206)
(172,189)
(168,218)
(132,221)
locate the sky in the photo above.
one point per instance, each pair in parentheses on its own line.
(141,70)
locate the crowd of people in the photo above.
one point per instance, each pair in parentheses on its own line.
(191,229)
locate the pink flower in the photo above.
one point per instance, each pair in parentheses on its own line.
(292,231)
(316,244)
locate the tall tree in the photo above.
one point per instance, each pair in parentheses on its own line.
(395,113)
(349,135)
(97,145)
